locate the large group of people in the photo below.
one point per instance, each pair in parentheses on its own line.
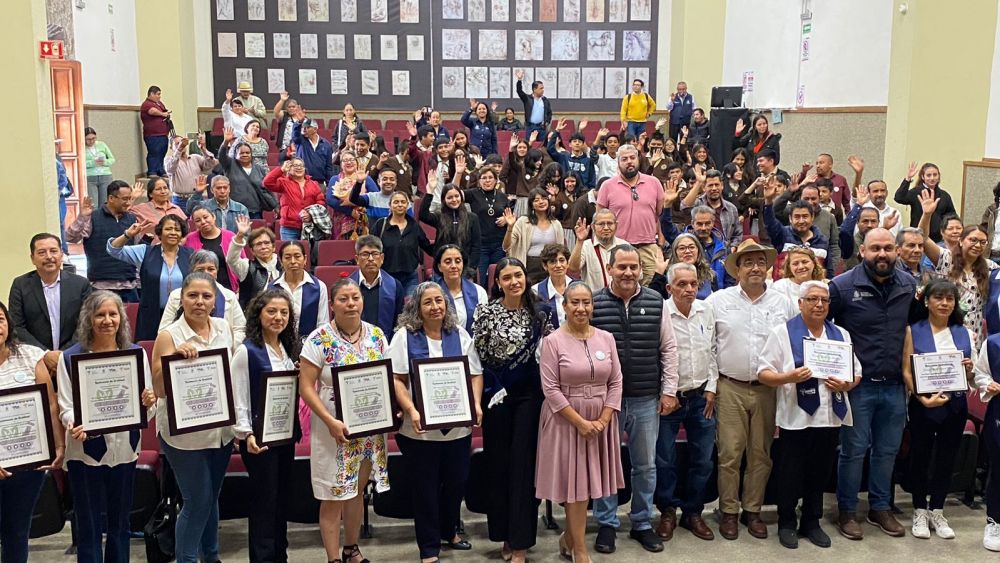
(620,288)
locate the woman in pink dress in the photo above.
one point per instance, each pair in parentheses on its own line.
(579,457)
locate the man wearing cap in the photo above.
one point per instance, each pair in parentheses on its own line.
(744,317)
(252,104)
(315,151)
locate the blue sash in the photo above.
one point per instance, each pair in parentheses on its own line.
(310,307)
(95,446)
(923,343)
(258,362)
(219,311)
(417,349)
(386,302)
(470,299)
(807,392)
(991,308)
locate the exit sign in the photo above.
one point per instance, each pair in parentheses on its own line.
(51,50)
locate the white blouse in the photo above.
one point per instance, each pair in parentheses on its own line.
(19,369)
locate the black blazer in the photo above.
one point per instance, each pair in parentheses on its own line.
(29,315)
(529,101)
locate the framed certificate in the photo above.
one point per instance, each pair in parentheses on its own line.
(365,398)
(828,359)
(199,391)
(278,408)
(442,392)
(107,391)
(26,439)
(939,371)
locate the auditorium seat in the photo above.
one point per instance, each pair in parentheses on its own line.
(396,124)
(613,126)
(332,274)
(330,251)
(590,131)
(131,314)
(218,126)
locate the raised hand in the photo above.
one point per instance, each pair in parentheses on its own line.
(138,189)
(912,171)
(382,159)
(928,201)
(494,106)
(670,193)
(770,190)
(411,129)
(243,225)
(602,133)
(806,167)
(286,166)
(201,183)
(519,74)
(508,217)
(857,164)
(283,96)
(201,140)
(891,221)
(432,181)
(863,196)
(229,95)
(684,131)
(740,126)
(371,137)
(472,103)
(460,164)
(228,135)
(417,115)
(699,175)
(86,206)
(533,137)
(583,124)
(561,124)
(661,122)
(139,226)
(581,229)
(513,142)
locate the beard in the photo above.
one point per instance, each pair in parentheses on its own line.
(881,266)
(630,173)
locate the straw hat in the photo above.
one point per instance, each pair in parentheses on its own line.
(746,247)
(244,87)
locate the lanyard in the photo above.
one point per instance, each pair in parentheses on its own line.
(600,260)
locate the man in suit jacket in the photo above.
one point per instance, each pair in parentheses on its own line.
(537,109)
(45,304)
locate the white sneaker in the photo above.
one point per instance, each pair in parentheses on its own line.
(940,525)
(991,535)
(920,529)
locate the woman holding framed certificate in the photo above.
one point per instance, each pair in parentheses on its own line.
(437,461)
(463,295)
(21,366)
(341,466)
(987,380)
(199,458)
(104,384)
(270,349)
(507,331)
(937,362)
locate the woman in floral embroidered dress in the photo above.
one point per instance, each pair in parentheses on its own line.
(341,466)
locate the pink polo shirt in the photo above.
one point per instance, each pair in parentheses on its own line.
(637,219)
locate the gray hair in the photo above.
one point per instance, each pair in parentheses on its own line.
(410,319)
(812,284)
(625,247)
(368,240)
(677,267)
(626,148)
(901,235)
(700,209)
(85,327)
(219,178)
(605,211)
(204,257)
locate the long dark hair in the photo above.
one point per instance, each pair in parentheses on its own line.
(528,299)
(550,171)
(536,193)
(289,338)
(980,268)
(12,343)
(455,223)
(938,286)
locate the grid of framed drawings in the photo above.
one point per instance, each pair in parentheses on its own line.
(403,54)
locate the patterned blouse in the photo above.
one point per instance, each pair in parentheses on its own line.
(970,299)
(500,333)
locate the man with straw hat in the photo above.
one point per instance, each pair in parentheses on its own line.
(253,105)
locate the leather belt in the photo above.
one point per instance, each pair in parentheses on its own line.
(697,391)
(740,381)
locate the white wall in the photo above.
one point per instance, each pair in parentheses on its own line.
(203,53)
(110,71)
(993,113)
(662,60)
(849,50)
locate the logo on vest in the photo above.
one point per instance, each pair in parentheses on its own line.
(807,391)
(859,295)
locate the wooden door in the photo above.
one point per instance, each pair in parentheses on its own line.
(67,115)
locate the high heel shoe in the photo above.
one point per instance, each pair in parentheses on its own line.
(506,553)
(349,552)
(564,550)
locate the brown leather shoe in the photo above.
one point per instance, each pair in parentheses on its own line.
(754,524)
(668,521)
(885,521)
(849,527)
(697,525)
(729,526)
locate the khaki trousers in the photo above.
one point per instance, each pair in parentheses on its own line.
(745,424)
(647,260)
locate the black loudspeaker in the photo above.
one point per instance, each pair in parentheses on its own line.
(723,131)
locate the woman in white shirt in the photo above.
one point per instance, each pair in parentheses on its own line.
(437,462)
(340,466)
(461,292)
(101,469)
(272,344)
(227,304)
(199,459)
(310,301)
(20,365)
(555,261)
(800,266)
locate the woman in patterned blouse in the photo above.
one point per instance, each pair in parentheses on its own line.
(340,466)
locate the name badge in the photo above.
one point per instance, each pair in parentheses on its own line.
(600,355)
(24,377)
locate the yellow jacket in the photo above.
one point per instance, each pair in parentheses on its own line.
(637,107)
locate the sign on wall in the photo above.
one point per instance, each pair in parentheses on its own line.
(404,54)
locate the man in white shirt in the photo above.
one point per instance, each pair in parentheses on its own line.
(590,256)
(810,413)
(744,316)
(889,217)
(697,376)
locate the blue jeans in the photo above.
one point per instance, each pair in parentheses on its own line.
(635,128)
(408,281)
(288,233)
(102,499)
(879,411)
(528,128)
(641,423)
(199,476)
(489,253)
(62,224)
(156,149)
(18,495)
(179,201)
(700,443)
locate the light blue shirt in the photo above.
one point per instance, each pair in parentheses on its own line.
(170,277)
(537,111)
(225,218)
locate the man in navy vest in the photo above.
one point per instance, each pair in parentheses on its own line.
(93,228)
(680,106)
(874,294)
(382,294)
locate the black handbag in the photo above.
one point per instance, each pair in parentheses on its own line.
(159,532)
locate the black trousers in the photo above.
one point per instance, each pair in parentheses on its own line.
(932,476)
(510,438)
(805,461)
(675,129)
(436,473)
(271,486)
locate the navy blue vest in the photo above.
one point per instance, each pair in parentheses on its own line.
(387,313)
(258,362)
(96,446)
(100,265)
(310,307)
(923,343)
(543,294)
(470,299)
(150,312)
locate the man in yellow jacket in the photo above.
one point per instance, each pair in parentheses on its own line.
(637,106)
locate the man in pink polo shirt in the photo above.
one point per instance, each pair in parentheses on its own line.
(636,199)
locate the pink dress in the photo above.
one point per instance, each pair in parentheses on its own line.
(587,376)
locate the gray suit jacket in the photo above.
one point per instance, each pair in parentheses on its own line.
(29,314)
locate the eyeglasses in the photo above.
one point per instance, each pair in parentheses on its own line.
(604,225)
(369,255)
(814,300)
(978,242)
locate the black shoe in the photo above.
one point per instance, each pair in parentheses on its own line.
(460,545)
(605,542)
(647,539)
(788,538)
(817,536)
